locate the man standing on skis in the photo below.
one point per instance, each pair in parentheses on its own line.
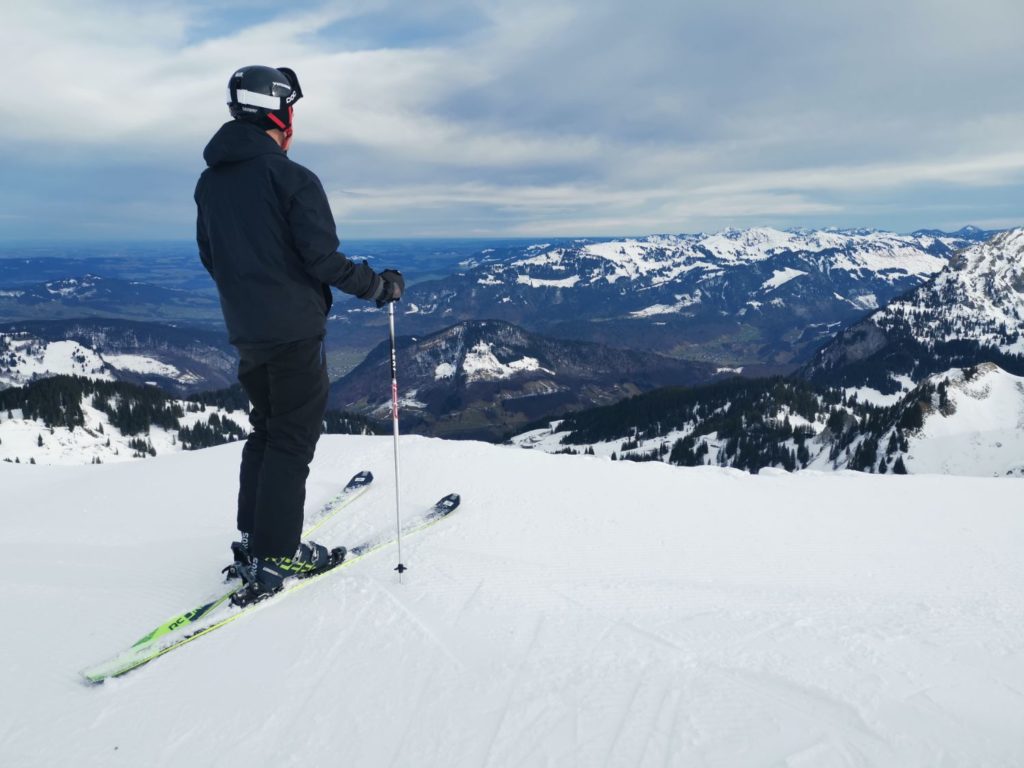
(267,237)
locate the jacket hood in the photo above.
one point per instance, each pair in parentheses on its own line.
(236,141)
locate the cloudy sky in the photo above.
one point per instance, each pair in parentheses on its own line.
(527,117)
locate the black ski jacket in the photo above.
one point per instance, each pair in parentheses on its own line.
(267,236)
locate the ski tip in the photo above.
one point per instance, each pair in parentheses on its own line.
(448,503)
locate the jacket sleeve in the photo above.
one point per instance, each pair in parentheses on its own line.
(312,226)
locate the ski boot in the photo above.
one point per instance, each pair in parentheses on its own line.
(240,550)
(267,575)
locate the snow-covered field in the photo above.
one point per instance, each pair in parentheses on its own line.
(34,358)
(27,440)
(574,612)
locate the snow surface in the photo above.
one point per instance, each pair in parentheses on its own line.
(682,302)
(36,358)
(481,364)
(534,282)
(865,301)
(873,396)
(573,612)
(97,440)
(983,434)
(780,277)
(142,365)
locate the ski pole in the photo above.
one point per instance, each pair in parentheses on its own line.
(394,421)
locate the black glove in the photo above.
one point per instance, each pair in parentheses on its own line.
(392,287)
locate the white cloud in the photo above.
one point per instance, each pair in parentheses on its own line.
(593,116)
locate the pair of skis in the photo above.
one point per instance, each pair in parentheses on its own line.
(218,611)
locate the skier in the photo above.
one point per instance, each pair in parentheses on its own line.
(267,237)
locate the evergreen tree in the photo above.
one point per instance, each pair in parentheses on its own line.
(803,455)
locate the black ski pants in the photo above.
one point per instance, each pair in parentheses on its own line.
(287,386)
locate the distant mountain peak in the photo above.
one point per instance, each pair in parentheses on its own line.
(971,312)
(671,293)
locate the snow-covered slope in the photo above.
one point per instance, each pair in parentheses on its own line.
(24,358)
(971,423)
(179,359)
(98,441)
(573,612)
(977,430)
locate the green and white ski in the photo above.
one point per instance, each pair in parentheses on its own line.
(215,614)
(354,488)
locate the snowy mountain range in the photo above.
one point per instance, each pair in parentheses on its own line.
(490,378)
(739,297)
(486,378)
(180,360)
(971,312)
(573,612)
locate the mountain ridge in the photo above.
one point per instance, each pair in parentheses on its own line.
(969,313)
(961,421)
(180,360)
(740,297)
(481,378)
